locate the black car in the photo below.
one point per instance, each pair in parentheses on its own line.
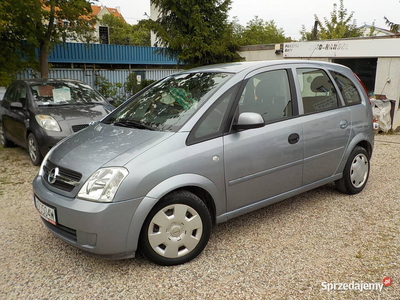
(38,113)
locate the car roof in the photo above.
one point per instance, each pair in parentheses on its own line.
(49,80)
(248,66)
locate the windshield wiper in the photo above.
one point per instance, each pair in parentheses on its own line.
(86,103)
(54,104)
(132,124)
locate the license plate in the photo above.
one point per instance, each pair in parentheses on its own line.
(48,213)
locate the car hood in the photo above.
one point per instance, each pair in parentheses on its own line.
(104,145)
(91,112)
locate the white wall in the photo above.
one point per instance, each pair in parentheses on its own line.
(252,54)
(388,83)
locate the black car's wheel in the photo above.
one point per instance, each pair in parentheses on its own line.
(33,149)
(176,230)
(356,172)
(3,140)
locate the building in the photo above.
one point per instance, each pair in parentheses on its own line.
(102,32)
(370,30)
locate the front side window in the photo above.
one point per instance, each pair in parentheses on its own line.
(64,92)
(317,90)
(11,92)
(21,95)
(347,88)
(212,122)
(269,95)
(168,104)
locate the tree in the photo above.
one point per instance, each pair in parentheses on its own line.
(394,27)
(59,20)
(237,28)
(15,56)
(259,32)
(339,26)
(43,23)
(196,32)
(122,33)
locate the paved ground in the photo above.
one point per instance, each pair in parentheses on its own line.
(290,250)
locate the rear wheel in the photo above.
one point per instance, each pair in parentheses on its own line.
(356,172)
(176,230)
(33,149)
(3,140)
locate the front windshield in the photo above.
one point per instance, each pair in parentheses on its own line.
(64,92)
(169,103)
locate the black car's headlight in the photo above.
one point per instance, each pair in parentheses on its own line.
(47,123)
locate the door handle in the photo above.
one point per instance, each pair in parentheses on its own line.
(293,138)
(343,124)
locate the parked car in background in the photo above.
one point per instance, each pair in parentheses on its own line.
(202,147)
(2,92)
(38,113)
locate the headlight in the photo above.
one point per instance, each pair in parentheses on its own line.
(103,184)
(47,123)
(41,170)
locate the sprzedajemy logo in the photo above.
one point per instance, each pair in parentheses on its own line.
(356,286)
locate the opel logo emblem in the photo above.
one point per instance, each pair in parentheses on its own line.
(52,177)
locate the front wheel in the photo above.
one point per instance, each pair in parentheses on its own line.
(176,230)
(356,172)
(33,149)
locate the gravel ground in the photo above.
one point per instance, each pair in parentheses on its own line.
(284,251)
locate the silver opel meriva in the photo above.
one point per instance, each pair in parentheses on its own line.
(201,147)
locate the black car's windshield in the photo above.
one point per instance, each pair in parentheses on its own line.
(64,93)
(169,103)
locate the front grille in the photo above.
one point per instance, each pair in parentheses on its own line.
(66,180)
(76,128)
(66,232)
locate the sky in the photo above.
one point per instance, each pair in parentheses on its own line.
(289,15)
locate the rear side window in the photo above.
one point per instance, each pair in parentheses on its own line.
(317,90)
(347,88)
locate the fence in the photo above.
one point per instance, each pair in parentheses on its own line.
(113,76)
(113,62)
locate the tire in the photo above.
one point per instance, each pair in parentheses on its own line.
(356,172)
(3,140)
(33,150)
(176,230)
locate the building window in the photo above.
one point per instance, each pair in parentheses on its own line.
(103,34)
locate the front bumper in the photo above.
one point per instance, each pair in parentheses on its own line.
(103,229)
(47,139)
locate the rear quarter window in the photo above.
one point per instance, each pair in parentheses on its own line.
(347,88)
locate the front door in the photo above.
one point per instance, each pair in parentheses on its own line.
(264,162)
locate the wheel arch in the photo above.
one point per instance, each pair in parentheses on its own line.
(361,140)
(367,146)
(200,186)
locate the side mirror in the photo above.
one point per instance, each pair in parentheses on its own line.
(249,120)
(17,105)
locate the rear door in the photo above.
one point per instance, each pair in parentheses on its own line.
(17,118)
(326,124)
(8,112)
(264,162)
